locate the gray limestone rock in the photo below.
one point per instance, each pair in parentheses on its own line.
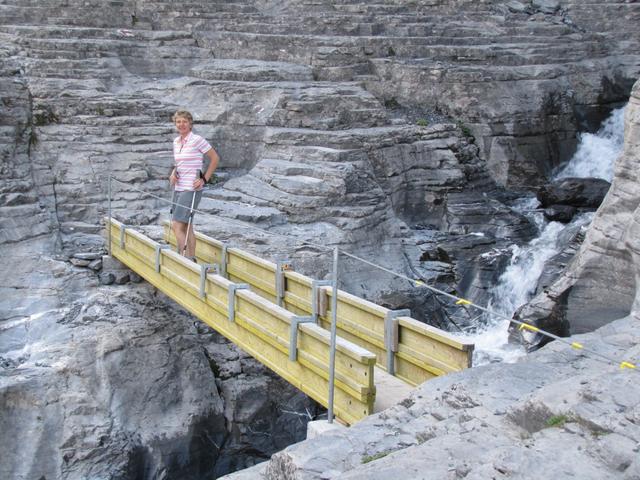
(126,382)
(88,255)
(121,277)
(517,7)
(560,213)
(498,419)
(134,277)
(252,71)
(380,127)
(576,192)
(546,6)
(107,278)
(95,265)
(79,263)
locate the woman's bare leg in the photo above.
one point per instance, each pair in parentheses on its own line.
(191,242)
(180,231)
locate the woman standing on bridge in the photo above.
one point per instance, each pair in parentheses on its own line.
(188,180)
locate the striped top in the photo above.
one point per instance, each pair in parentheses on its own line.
(188,159)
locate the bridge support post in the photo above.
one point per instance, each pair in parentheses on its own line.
(204,269)
(109,208)
(293,337)
(223,261)
(281,266)
(232,299)
(315,298)
(334,328)
(159,248)
(391,336)
(123,230)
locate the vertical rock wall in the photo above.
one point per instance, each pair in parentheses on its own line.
(599,284)
(21,203)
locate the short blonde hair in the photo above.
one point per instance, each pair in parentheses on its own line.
(183,114)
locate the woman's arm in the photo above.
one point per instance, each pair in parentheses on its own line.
(213,164)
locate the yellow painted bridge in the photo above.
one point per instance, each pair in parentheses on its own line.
(283,318)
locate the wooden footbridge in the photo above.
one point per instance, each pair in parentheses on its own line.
(282,319)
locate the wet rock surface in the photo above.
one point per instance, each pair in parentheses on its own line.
(575,192)
(600,283)
(118,382)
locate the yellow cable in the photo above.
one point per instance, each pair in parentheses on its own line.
(529,327)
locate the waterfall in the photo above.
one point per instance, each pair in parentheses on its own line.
(597,152)
(594,157)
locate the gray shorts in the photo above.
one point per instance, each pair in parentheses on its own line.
(180,212)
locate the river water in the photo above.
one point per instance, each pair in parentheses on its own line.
(594,157)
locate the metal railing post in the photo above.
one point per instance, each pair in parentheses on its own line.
(232,299)
(315,293)
(204,269)
(334,322)
(391,336)
(293,335)
(109,208)
(159,248)
(223,261)
(281,266)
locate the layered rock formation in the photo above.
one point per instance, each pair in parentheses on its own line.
(345,84)
(385,128)
(117,382)
(558,412)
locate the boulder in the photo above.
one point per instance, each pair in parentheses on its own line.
(546,6)
(135,278)
(88,255)
(575,192)
(79,262)
(517,7)
(560,213)
(107,278)
(96,264)
(121,276)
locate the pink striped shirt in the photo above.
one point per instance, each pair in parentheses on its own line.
(188,159)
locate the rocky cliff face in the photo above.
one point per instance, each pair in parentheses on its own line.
(389,129)
(557,412)
(117,382)
(344,84)
(599,284)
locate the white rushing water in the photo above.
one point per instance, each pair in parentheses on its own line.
(594,157)
(597,152)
